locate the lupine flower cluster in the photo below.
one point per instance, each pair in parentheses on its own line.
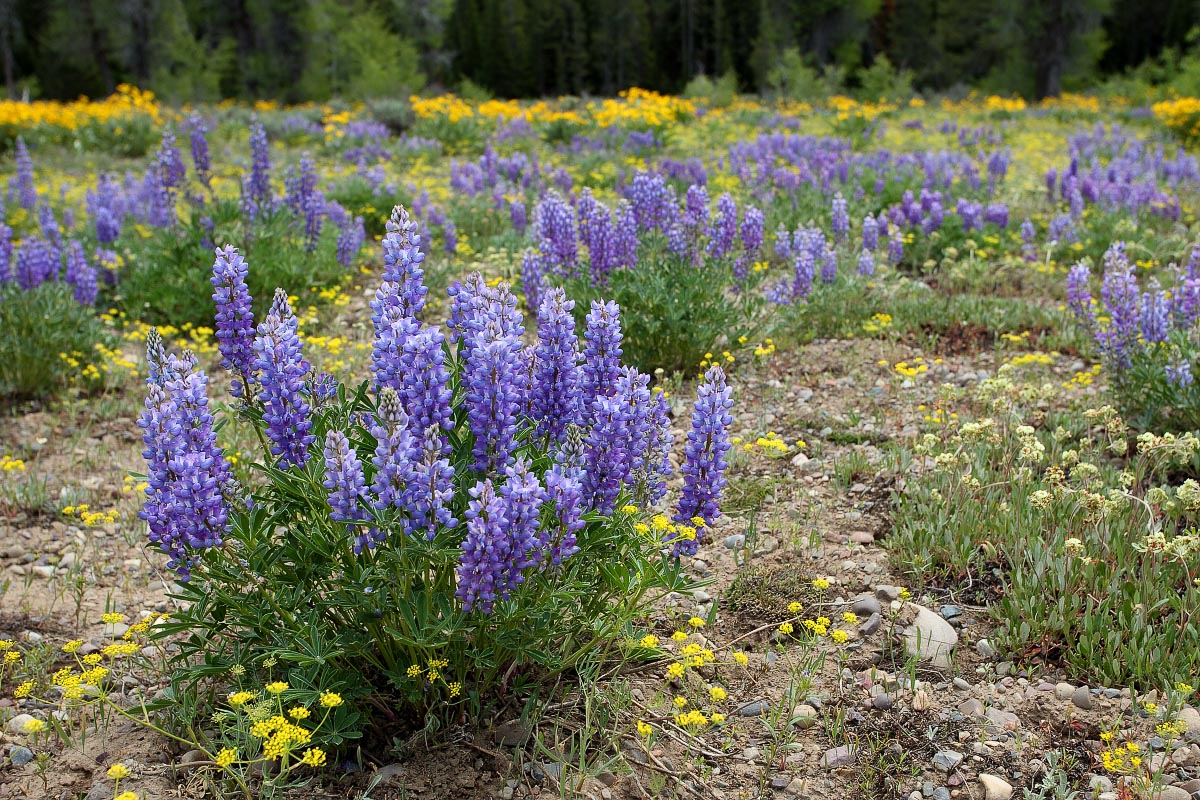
(554,434)
(37,260)
(1134,321)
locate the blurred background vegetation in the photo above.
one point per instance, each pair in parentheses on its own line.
(297,50)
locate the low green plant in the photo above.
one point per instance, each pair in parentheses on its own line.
(40,329)
(676,316)
(1087,541)
(166,278)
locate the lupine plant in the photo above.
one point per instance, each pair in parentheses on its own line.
(473,517)
(1146,338)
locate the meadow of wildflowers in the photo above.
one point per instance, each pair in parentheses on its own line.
(632,446)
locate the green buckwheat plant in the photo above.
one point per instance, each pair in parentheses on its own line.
(470,521)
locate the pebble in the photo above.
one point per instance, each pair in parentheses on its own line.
(1063,691)
(1082,698)
(1171,793)
(887,592)
(20,756)
(780,782)
(985,649)
(735,542)
(962,684)
(804,717)
(1190,717)
(755,708)
(870,625)
(930,638)
(971,709)
(947,760)
(881,702)
(995,787)
(839,757)
(17,723)
(865,605)
(941,793)
(950,612)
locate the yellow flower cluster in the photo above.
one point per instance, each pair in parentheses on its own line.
(1181,115)
(877,323)
(771,443)
(89,518)
(911,370)
(663,529)
(9,464)
(127,102)
(1120,759)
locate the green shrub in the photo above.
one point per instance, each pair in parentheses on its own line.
(40,330)
(166,276)
(717,94)
(676,315)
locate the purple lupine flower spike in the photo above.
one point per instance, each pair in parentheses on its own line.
(523,496)
(602,351)
(23,186)
(348,499)
(704,464)
(870,233)
(80,275)
(234,317)
(841,219)
(427,500)
(492,399)
(395,452)
(282,368)
(485,551)
(557,372)
(198,139)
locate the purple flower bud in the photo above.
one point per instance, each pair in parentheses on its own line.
(870,233)
(841,219)
(492,399)
(557,375)
(80,275)
(601,352)
(428,498)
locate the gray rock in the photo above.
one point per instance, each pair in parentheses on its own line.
(995,787)
(887,592)
(20,756)
(735,542)
(1000,721)
(780,782)
(870,625)
(930,638)
(839,756)
(1171,793)
(511,734)
(755,708)
(985,649)
(1099,783)
(1082,698)
(881,702)
(17,723)
(941,793)
(947,760)
(1190,717)
(804,717)
(950,612)
(971,709)
(1063,691)
(961,684)
(865,605)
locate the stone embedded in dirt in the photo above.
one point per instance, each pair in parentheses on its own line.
(865,605)
(887,592)
(950,612)
(1190,717)
(511,734)
(1171,793)
(947,760)
(735,542)
(995,787)
(755,708)
(1000,721)
(930,638)
(881,702)
(985,649)
(839,756)
(780,782)
(870,625)
(1082,698)
(961,684)
(971,709)
(20,756)
(1063,691)
(862,537)
(804,717)
(17,723)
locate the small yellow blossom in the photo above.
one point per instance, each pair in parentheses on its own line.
(644,730)
(331,699)
(276,687)
(226,757)
(717,694)
(118,772)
